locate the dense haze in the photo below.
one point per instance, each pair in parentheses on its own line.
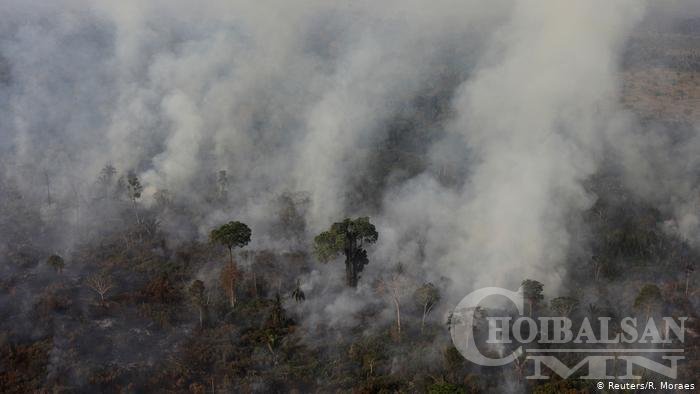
(467,130)
(295,98)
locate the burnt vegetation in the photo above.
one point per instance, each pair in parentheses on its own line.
(127,309)
(107,288)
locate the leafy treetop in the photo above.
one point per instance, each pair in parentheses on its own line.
(348,238)
(330,244)
(231,234)
(532,290)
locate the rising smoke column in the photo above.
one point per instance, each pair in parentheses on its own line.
(534,119)
(286,97)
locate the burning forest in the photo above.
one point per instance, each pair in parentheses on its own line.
(301,197)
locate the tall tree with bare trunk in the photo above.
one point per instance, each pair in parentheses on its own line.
(394,287)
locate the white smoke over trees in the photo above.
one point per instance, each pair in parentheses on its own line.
(297,96)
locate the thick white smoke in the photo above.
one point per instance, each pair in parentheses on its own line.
(294,96)
(534,118)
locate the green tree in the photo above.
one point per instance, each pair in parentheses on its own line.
(231,235)
(426,297)
(349,238)
(532,292)
(56,262)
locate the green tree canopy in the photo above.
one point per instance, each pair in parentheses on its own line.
(532,292)
(231,235)
(349,238)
